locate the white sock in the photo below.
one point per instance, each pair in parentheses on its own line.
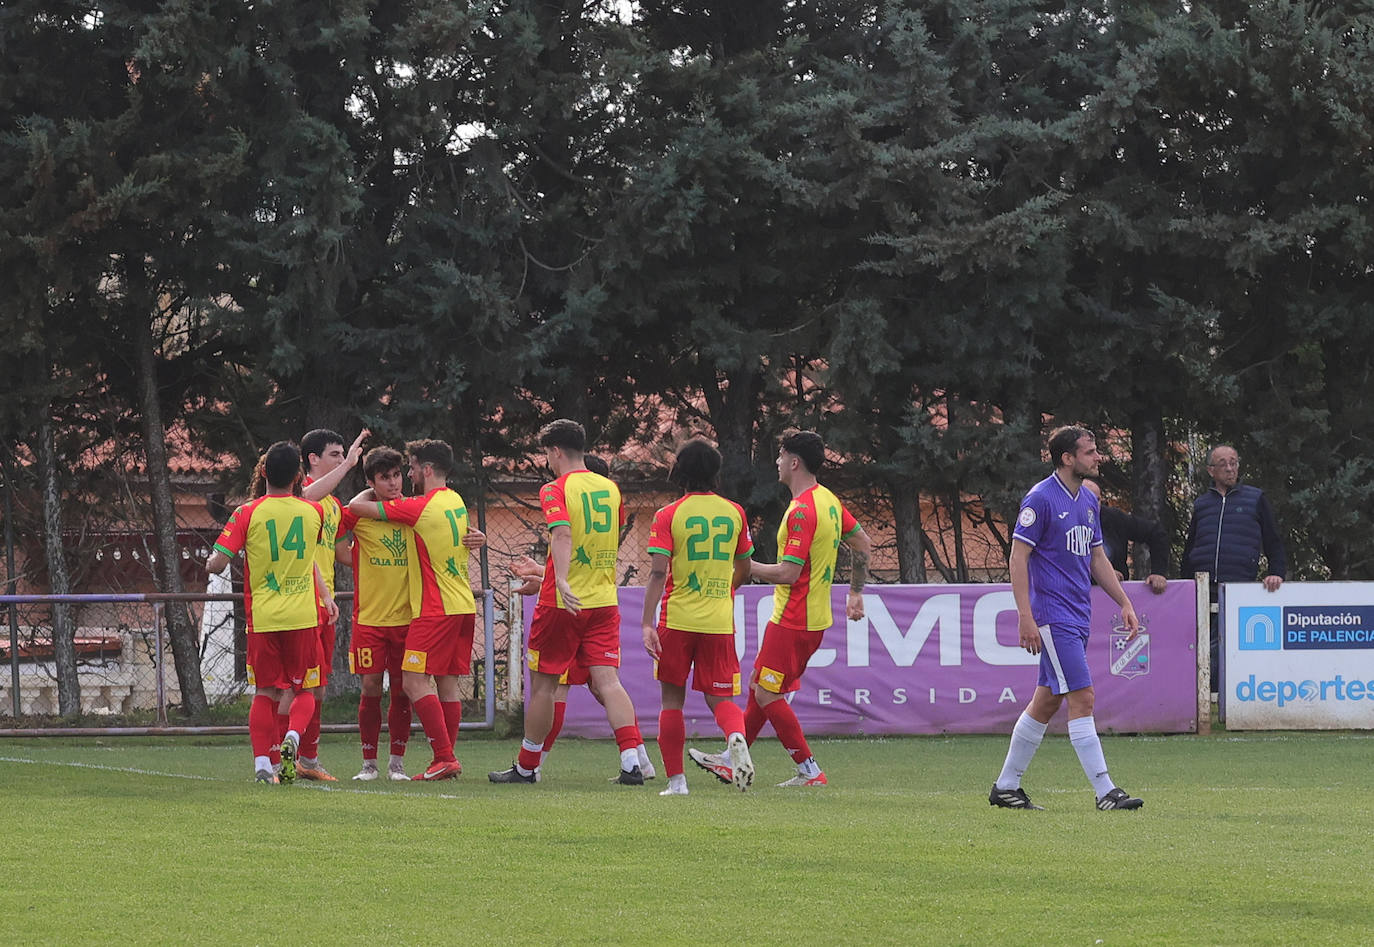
(677,782)
(1025,740)
(293,736)
(261,763)
(396,762)
(369,764)
(312,760)
(808,768)
(1083,736)
(642,755)
(629,759)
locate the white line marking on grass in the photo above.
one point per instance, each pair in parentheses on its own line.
(112,769)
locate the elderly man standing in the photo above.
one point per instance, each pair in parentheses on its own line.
(1232,524)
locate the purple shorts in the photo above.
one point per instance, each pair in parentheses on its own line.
(1064,659)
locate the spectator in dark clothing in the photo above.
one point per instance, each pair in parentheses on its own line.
(1120,529)
(1232,525)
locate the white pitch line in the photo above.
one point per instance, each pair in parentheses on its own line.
(112,769)
(317,787)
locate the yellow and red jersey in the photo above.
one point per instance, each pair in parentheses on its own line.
(278,536)
(589,505)
(439,568)
(324,553)
(381,570)
(702,534)
(811,531)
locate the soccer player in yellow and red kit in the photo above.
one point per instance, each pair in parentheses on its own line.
(438,646)
(283,590)
(812,529)
(700,551)
(577,617)
(380,556)
(326,464)
(576,675)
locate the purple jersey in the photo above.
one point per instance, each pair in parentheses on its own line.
(1061,530)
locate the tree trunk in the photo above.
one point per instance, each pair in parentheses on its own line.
(906,524)
(180,628)
(1149,476)
(59,580)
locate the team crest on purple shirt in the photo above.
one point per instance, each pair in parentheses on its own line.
(1125,658)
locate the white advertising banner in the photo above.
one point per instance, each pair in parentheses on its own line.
(1301,658)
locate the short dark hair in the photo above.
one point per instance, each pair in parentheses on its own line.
(808,446)
(316,442)
(281,465)
(563,433)
(433,452)
(381,460)
(596,465)
(696,465)
(1064,440)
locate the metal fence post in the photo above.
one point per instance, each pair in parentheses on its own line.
(489,665)
(159,673)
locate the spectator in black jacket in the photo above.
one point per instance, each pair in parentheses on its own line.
(1120,529)
(1232,524)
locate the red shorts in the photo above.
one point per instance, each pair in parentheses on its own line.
(576,675)
(782,657)
(377,648)
(710,658)
(440,644)
(318,675)
(281,658)
(559,640)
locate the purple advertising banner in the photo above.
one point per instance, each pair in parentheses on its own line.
(930,659)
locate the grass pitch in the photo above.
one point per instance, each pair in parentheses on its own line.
(1256,839)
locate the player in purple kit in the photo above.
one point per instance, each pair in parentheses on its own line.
(1056,551)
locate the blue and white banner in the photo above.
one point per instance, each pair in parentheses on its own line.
(1301,658)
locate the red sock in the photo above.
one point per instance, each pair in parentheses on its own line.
(672,738)
(310,736)
(627,738)
(370,724)
(431,714)
(453,716)
(398,716)
(784,720)
(729,717)
(529,759)
(262,725)
(302,709)
(560,710)
(754,718)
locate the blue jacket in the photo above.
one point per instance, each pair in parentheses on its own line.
(1229,532)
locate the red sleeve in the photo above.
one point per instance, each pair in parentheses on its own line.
(555,505)
(744,545)
(405,510)
(848,524)
(235,533)
(347,520)
(319,533)
(801,529)
(661,530)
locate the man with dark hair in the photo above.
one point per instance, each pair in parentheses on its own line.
(575,675)
(380,556)
(1056,551)
(700,552)
(282,593)
(326,463)
(577,617)
(1232,525)
(1120,529)
(812,529)
(438,644)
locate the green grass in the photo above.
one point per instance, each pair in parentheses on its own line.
(1259,839)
